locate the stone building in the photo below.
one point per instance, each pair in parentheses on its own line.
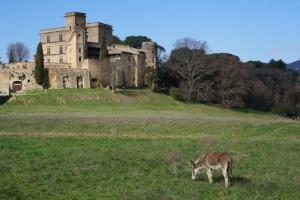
(76,47)
(16,77)
(71,54)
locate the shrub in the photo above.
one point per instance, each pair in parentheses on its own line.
(174,93)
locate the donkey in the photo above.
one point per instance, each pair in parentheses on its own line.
(213,160)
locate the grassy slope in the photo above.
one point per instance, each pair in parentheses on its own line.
(92,144)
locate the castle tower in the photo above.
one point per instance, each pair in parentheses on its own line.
(150,49)
(76,38)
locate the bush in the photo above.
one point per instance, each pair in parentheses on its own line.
(174,93)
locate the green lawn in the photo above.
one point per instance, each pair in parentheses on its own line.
(91,144)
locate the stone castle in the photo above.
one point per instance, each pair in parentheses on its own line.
(71,55)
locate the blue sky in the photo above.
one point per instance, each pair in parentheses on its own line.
(250,29)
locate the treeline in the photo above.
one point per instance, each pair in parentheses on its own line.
(135,41)
(195,76)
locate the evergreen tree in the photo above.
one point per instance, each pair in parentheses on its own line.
(11,57)
(136,41)
(103,51)
(117,40)
(39,72)
(46,78)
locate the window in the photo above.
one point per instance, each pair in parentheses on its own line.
(60,37)
(61,60)
(128,67)
(129,59)
(48,60)
(80,59)
(79,82)
(79,50)
(48,51)
(153,59)
(28,81)
(79,35)
(66,82)
(61,51)
(48,39)
(70,28)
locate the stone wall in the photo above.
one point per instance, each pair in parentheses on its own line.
(17,75)
(61,78)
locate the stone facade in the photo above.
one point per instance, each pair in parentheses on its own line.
(17,77)
(61,78)
(71,54)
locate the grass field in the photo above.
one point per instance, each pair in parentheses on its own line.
(91,144)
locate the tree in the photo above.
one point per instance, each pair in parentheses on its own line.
(117,40)
(277,64)
(109,74)
(227,79)
(150,76)
(103,51)
(136,41)
(22,52)
(11,58)
(187,60)
(10,52)
(46,79)
(39,72)
(272,87)
(191,43)
(17,52)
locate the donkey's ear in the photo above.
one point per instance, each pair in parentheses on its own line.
(192,162)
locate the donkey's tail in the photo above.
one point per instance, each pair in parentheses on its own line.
(229,169)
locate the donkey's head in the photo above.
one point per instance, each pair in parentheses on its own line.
(195,169)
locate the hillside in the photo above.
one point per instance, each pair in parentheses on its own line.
(135,144)
(92,97)
(295,66)
(99,100)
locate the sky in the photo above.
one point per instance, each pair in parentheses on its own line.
(251,29)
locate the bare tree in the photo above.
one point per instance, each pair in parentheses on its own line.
(109,73)
(191,43)
(17,52)
(10,53)
(188,62)
(22,52)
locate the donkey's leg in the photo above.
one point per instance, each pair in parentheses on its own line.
(225,174)
(209,175)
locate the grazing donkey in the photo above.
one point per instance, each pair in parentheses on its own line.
(213,160)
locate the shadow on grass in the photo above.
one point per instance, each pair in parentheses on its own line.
(239,180)
(129,93)
(4,99)
(234,180)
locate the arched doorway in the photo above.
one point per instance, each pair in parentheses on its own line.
(16,86)
(66,82)
(79,82)
(94,83)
